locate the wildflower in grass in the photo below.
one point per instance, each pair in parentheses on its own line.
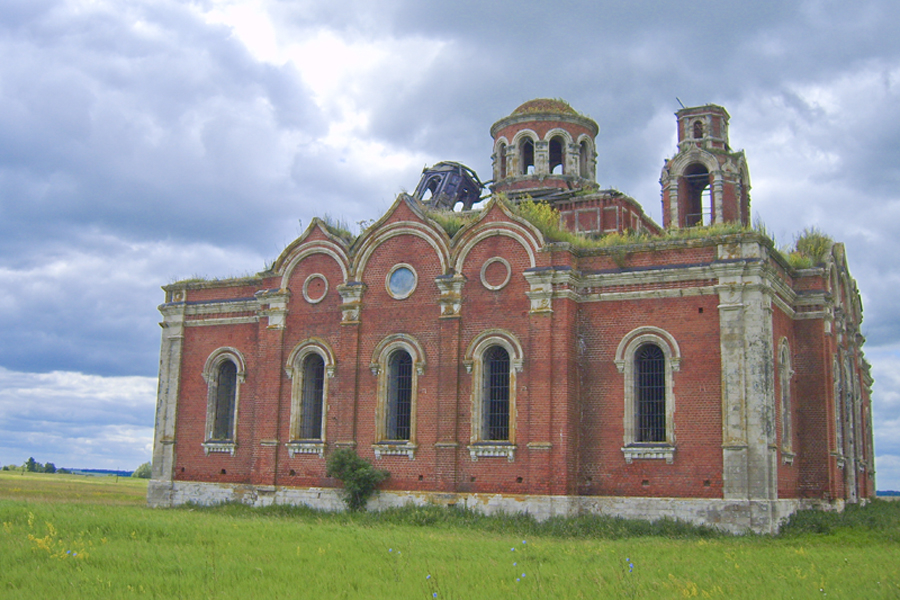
(428,577)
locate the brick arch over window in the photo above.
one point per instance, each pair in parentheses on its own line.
(318,247)
(310,366)
(525,142)
(224,372)
(648,357)
(559,144)
(427,233)
(398,361)
(493,359)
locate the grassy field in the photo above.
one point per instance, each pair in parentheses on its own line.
(84,537)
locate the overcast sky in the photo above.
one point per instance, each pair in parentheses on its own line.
(146,141)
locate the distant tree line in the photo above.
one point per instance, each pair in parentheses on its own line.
(33,466)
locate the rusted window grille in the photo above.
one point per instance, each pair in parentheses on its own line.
(496,394)
(650,368)
(399,400)
(312,397)
(226,385)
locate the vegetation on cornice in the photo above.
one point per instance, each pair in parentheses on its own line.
(810,248)
(338,227)
(451,221)
(203,280)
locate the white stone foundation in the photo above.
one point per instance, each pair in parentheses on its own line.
(733,516)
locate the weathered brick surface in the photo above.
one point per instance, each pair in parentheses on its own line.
(568,311)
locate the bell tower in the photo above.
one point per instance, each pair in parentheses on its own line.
(705,182)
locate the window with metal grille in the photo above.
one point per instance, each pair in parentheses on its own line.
(311,398)
(496,394)
(226,386)
(399,400)
(650,392)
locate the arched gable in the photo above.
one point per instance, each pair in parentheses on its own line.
(415,223)
(315,240)
(496,219)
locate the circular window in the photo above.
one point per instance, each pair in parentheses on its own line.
(314,288)
(495,273)
(401,281)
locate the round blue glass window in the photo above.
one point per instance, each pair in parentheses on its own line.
(401,282)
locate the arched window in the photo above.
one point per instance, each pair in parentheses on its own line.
(495,420)
(398,408)
(223,372)
(784,383)
(310,366)
(526,156)
(698,130)
(501,158)
(648,357)
(398,362)
(226,388)
(557,155)
(650,392)
(493,357)
(312,397)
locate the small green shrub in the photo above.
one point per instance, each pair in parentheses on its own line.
(360,479)
(142,472)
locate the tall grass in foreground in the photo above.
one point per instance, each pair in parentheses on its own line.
(95,549)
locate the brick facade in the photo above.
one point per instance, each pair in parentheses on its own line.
(718,309)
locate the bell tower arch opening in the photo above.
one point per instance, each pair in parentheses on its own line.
(698,196)
(557,155)
(526,154)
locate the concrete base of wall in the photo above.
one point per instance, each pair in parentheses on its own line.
(734,516)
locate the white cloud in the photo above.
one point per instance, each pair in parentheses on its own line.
(154,140)
(76,420)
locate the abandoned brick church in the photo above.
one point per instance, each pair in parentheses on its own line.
(692,372)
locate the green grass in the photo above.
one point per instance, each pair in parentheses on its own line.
(106,544)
